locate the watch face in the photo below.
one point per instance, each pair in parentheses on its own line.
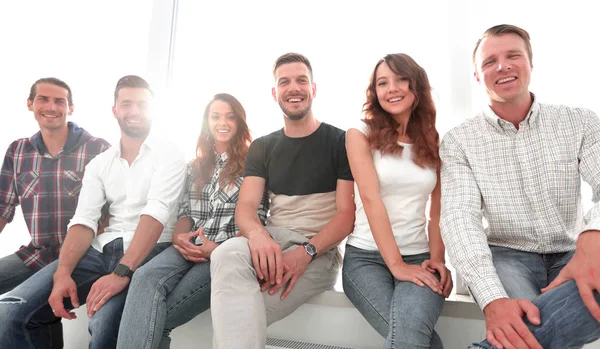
(310,249)
(122,270)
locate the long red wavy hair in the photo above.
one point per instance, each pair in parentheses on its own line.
(204,163)
(383,130)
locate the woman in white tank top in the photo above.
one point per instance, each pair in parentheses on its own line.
(394,267)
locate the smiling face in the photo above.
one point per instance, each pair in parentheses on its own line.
(50,106)
(503,67)
(393,92)
(132,111)
(294,90)
(222,124)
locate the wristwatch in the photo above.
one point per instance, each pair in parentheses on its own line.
(311,250)
(123,270)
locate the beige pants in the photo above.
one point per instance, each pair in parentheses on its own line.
(240,311)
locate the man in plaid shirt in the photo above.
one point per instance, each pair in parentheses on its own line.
(534,267)
(43,174)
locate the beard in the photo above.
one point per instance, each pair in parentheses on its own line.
(298,115)
(135,132)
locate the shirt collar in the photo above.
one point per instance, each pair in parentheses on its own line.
(220,159)
(501,125)
(72,137)
(149,144)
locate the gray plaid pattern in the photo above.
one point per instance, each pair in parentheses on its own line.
(519,189)
(214,209)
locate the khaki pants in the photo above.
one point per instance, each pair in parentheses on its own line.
(240,311)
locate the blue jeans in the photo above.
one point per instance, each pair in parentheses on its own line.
(524,274)
(12,272)
(24,312)
(566,322)
(165,293)
(401,311)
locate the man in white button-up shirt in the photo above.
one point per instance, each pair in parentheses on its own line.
(519,166)
(140,182)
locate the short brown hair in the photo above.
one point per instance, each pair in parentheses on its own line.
(292,57)
(133,81)
(502,29)
(52,81)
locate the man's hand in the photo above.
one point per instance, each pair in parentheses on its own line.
(416,274)
(584,268)
(295,263)
(505,326)
(64,287)
(104,289)
(266,257)
(191,252)
(445,275)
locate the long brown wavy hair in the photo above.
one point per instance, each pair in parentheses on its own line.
(204,163)
(383,129)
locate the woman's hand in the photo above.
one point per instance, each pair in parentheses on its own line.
(445,274)
(417,275)
(191,252)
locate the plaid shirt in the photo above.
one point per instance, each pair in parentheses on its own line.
(214,210)
(47,188)
(524,184)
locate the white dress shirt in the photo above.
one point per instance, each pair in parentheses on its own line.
(150,186)
(525,184)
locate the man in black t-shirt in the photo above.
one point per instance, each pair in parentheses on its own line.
(270,271)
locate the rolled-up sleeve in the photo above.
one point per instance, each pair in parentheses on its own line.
(9,199)
(92,196)
(166,184)
(462,226)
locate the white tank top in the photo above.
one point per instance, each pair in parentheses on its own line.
(404,188)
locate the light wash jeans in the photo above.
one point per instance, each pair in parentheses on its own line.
(566,322)
(24,312)
(165,293)
(402,312)
(240,311)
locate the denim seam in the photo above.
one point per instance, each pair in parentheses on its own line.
(367,300)
(155,302)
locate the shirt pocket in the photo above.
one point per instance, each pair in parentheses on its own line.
(28,184)
(563,181)
(72,182)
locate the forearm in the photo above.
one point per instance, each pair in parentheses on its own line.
(144,239)
(437,250)
(183,226)
(379,222)
(78,241)
(3,223)
(248,222)
(334,232)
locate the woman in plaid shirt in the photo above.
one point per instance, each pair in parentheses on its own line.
(174,287)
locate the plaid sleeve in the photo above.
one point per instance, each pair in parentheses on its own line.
(461,225)
(589,165)
(9,198)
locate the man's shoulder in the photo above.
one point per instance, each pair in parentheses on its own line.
(21,145)
(565,112)
(469,126)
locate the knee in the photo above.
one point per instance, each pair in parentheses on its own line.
(13,309)
(230,253)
